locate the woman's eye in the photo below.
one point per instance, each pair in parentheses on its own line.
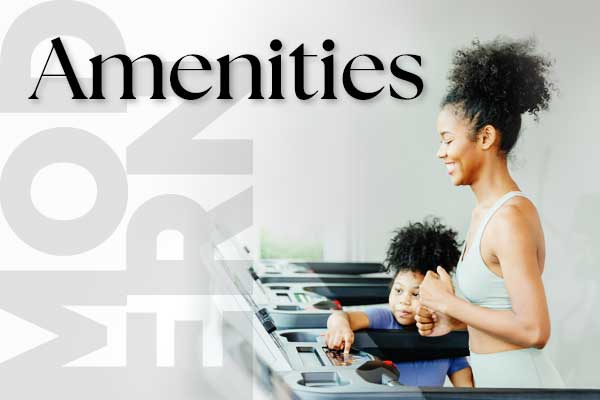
(398,291)
(415,295)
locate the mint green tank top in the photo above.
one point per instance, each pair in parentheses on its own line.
(474,281)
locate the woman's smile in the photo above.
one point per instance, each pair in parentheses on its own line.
(450,166)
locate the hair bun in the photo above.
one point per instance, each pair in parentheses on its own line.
(505,73)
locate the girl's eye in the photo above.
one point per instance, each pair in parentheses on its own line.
(398,291)
(416,295)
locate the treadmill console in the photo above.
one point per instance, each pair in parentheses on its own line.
(337,358)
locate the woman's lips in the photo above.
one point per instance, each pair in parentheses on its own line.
(450,167)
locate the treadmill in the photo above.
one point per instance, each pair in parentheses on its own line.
(275,271)
(304,294)
(295,364)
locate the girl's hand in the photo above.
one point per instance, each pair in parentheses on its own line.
(340,337)
(436,290)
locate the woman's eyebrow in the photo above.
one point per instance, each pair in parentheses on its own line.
(445,133)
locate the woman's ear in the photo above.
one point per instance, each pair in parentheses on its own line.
(488,136)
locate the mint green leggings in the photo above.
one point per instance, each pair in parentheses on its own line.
(526,368)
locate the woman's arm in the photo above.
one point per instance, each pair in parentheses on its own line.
(505,325)
(527,324)
(431,323)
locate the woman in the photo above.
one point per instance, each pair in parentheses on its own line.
(501,297)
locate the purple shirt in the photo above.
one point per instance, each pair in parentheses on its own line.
(415,373)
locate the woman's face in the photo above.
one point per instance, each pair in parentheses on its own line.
(461,156)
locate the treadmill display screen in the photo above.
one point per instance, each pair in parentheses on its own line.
(338,359)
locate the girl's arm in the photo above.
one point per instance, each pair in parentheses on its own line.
(462,378)
(341,326)
(356,320)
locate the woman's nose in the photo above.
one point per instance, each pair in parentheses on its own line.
(441,153)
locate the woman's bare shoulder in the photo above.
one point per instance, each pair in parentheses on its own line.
(516,219)
(518,210)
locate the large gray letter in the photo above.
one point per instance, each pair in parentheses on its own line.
(49,20)
(61,237)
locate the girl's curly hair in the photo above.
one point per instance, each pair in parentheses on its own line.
(494,83)
(422,246)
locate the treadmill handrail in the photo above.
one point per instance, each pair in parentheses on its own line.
(401,345)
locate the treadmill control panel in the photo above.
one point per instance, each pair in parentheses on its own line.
(337,358)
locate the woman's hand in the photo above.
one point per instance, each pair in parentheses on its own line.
(340,337)
(431,323)
(436,290)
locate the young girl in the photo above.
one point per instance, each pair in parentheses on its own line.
(499,276)
(415,249)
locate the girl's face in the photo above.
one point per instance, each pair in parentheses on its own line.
(404,296)
(461,156)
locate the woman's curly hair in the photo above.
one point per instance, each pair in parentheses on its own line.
(494,83)
(422,246)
